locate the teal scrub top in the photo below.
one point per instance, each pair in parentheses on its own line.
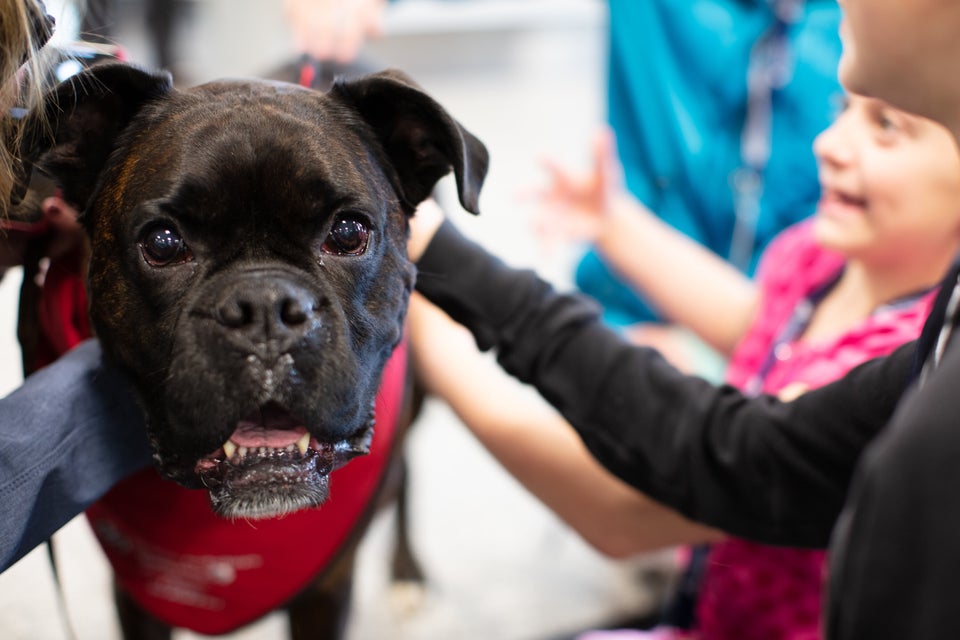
(677,101)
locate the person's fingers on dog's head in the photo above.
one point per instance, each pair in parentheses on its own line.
(60,214)
(63,220)
(423,226)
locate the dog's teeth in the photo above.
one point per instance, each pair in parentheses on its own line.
(242,451)
(229,449)
(263,451)
(303,443)
(291,448)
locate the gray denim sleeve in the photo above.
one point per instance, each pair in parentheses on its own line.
(67,435)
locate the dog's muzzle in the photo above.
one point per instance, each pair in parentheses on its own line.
(266,313)
(271,466)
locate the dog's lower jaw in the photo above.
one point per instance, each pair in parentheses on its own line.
(270,500)
(272,484)
(269,483)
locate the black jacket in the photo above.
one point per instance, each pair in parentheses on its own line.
(863,465)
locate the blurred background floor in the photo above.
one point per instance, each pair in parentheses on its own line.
(526,76)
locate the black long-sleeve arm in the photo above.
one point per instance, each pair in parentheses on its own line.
(758,468)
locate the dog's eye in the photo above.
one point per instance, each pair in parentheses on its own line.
(348,237)
(162,246)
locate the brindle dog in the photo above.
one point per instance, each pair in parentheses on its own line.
(248,272)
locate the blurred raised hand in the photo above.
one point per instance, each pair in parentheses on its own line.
(580,205)
(334,30)
(690,285)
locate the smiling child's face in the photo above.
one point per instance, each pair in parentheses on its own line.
(890,185)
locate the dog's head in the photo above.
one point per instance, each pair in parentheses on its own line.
(248,266)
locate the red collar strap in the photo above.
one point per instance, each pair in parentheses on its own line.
(62,309)
(192,569)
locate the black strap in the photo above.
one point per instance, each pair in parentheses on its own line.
(935,321)
(680,611)
(68,629)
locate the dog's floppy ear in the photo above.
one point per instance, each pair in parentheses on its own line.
(72,132)
(421,139)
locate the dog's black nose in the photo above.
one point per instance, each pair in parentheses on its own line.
(266,310)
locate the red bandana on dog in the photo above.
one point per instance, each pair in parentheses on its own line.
(193,569)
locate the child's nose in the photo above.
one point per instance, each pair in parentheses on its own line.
(833,145)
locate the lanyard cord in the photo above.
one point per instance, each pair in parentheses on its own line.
(796,324)
(770,68)
(800,319)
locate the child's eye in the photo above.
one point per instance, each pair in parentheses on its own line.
(888,127)
(886,123)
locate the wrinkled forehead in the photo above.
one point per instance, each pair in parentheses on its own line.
(240,146)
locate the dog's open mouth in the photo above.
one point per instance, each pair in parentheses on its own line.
(271,466)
